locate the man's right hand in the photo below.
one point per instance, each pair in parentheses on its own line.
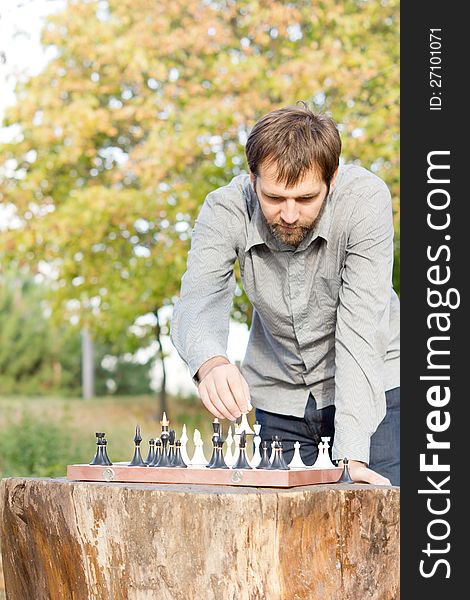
(223,389)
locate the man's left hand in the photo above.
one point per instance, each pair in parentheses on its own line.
(360,473)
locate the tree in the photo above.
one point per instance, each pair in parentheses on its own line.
(146,108)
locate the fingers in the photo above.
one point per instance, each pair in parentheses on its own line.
(208,404)
(362,474)
(239,389)
(219,387)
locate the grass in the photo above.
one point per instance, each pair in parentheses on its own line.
(40,436)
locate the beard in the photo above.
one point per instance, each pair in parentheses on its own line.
(293,236)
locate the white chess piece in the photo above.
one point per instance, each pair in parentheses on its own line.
(323,459)
(257,442)
(244,426)
(184,441)
(297,462)
(198,460)
(271,457)
(228,454)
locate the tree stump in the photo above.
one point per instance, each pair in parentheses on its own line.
(111,541)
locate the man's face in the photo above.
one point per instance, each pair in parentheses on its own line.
(291,213)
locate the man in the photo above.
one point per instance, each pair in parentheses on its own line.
(314,241)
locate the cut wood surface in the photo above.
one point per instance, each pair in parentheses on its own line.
(113,541)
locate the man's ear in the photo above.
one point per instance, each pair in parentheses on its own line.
(332,181)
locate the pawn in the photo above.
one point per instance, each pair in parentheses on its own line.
(101,456)
(171,447)
(278,464)
(158,454)
(151,454)
(137,460)
(345,476)
(242,462)
(219,462)
(297,462)
(264,462)
(178,461)
(184,441)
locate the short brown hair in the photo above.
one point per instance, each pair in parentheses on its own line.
(296,140)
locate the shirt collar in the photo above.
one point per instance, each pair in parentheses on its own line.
(259,232)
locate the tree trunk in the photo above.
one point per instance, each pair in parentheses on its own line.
(109,541)
(161,356)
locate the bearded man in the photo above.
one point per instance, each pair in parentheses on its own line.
(314,242)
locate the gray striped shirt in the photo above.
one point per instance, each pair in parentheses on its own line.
(325,315)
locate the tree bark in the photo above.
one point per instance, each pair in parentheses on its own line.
(110,541)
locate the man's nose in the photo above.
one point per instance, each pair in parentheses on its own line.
(290,211)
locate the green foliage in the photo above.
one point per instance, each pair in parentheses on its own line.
(39,357)
(36,357)
(145,109)
(37,447)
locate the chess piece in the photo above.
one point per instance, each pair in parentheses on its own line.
(215,436)
(244,426)
(198,460)
(184,441)
(171,447)
(228,453)
(178,460)
(264,462)
(323,459)
(345,476)
(164,437)
(158,454)
(271,456)
(219,462)
(242,461)
(257,442)
(297,462)
(137,460)
(101,456)
(236,453)
(279,463)
(151,454)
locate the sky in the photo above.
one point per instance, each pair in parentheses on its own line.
(22,55)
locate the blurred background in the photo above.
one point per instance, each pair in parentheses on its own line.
(117,117)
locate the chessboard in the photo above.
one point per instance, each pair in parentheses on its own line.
(168,461)
(122,472)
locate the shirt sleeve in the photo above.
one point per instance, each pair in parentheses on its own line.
(362,327)
(201,316)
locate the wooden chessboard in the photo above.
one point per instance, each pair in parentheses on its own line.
(121,472)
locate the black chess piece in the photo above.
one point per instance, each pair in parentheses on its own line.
(164,461)
(264,462)
(242,462)
(151,454)
(278,463)
(101,456)
(178,461)
(137,460)
(215,435)
(345,476)
(158,454)
(171,447)
(219,461)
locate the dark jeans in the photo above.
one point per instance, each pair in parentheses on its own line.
(317,423)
